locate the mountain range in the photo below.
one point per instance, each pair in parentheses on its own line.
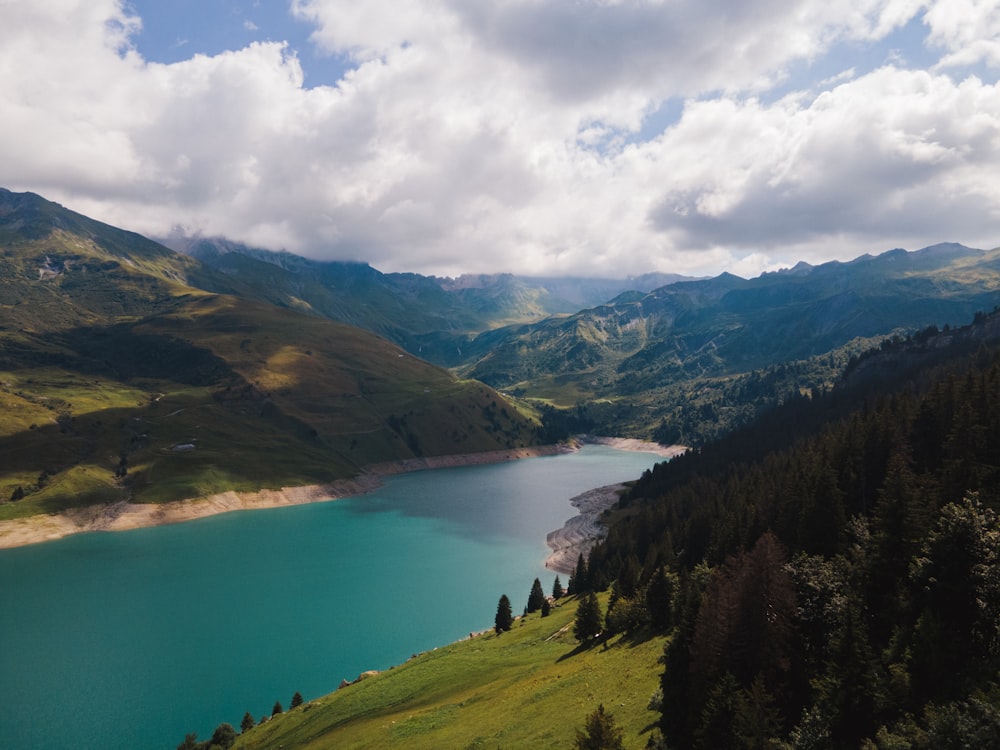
(427,315)
(673,358)
(273,369)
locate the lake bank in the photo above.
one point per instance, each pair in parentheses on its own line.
(124,516)
(581,532)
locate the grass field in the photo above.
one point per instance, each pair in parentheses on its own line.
(532,687)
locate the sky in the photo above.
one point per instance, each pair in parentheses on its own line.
(542,137)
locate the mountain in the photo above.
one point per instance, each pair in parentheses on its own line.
(629,352)
(130,371)
(429,316)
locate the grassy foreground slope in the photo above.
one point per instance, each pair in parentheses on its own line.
(531,687)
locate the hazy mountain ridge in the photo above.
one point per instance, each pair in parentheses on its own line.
(728,324)
(428,315)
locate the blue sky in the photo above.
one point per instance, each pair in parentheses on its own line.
(176,30)
(594,137)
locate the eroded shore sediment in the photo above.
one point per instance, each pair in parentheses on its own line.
(123,515)
(581,532)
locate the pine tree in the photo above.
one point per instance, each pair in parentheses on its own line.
(660,597)
(504,619)
(557,589)
(277,708)
(248,723)
(224,736)
(603,733)
(588,619)
(581,582)
(297,699)
(536,597)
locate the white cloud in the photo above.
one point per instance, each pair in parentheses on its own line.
(969,30)
(500,137)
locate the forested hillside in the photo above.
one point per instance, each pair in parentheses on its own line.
(835,567)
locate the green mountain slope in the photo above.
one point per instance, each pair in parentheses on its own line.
(126,374)
(637,351)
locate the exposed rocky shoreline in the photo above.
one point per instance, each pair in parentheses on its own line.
(581,532)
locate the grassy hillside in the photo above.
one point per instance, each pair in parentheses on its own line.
(531,687)
(126,375)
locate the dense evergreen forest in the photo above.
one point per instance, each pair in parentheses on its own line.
(831,574)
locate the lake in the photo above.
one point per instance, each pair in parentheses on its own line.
(133,639)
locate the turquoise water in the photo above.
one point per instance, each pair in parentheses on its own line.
(132,639)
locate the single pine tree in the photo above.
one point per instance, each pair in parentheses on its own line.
(603,733)
(224,736)
(277,708)
(297,699)
(536,597)
(505,617)
(588,619)
(557,589)
(248,723)
(659,598)
(581,579)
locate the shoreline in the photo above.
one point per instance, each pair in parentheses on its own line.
(124,516)
(584,530)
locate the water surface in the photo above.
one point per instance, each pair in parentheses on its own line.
(132,639)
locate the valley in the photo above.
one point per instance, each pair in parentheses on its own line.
(841,419)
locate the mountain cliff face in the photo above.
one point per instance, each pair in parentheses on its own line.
(129,371)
